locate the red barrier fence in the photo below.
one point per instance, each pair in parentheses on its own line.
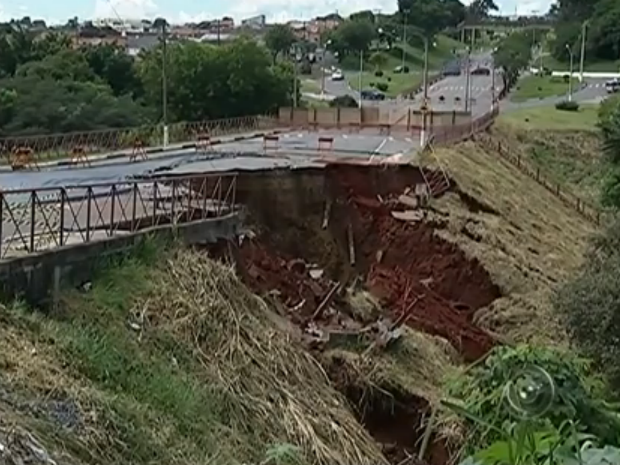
(40,219)
(55,146)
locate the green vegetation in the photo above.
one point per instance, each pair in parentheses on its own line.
(46,86)
(594,66)
(513,54)
(600,19)
(547,117)
(533,87)
(533,406)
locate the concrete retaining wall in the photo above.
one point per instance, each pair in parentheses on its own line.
(38,277)
(399,119)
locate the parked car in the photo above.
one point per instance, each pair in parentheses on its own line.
(337,76)
(372,94)
(452,71)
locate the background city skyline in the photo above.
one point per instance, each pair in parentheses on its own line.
(194,10)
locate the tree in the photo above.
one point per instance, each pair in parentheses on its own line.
(513,55)
(353,37)
(609,125)
(344,101)
(279,39)
(432,16)
(207,82)
(479,9)
(40,106)
(115,67)
(364,15)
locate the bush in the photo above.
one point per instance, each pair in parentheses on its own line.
(566,105)
(373,84)
(382,86)
(344,101)
(379,73)
(406,69)
(566,78)
(574,395)
(389,79)
(590,303)
(305,68)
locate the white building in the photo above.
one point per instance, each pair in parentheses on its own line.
(255,22)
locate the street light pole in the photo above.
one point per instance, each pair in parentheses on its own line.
(584,28)
(360,76)
(295,77)
(468,79)
(404,38)
(570,74)
(425,81)
(164,83)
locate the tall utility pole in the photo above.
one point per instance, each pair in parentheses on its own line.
(468,80)
(360,76)
(405,14)
(295,54)
(584,29)
(570,74)
(164,81)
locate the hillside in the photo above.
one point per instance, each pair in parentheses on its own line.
(526,238)
(170,356)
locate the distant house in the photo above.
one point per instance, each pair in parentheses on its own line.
(141,42)
(255,22)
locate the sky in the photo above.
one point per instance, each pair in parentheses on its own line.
(197,10)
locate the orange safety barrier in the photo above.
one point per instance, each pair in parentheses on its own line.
(270,142)
(203,143)
(355,127)
(23,157)
(326,143)
(138,151)
(78,154)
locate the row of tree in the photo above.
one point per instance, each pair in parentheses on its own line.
(414,19)
(596,20)
(48,86)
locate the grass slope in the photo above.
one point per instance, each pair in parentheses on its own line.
(170,360)
(565,146)
(525,237)
(538,87)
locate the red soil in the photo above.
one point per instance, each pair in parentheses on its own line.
(403,262)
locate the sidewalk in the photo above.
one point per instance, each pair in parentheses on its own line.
(155,153)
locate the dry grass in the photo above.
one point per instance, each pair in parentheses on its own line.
(525,237)
(416,364)
(172,362)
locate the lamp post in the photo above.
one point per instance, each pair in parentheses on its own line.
(467,80)
(296,58)
(164,83)
(360,77)
(584,29)
(327,44)
(405,14)
(570,74)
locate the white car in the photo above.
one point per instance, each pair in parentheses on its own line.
(337,76)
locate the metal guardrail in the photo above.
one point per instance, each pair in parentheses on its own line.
(55,146)
(34,220)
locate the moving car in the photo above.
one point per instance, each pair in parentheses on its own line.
(337,76)
(452,71)
(372,94)
(612,86)
(480,71)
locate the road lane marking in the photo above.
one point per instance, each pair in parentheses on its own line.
(380,146)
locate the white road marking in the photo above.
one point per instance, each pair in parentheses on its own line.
(380,146)
(345,136)
(408,139)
